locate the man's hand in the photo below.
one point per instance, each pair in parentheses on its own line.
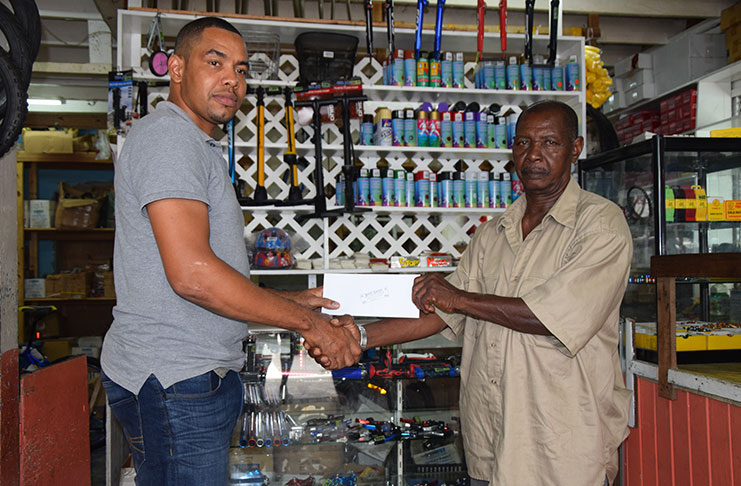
(334,344)
(431,291)
(312,298)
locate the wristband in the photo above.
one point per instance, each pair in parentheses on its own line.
(363,336)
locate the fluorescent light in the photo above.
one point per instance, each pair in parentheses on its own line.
(48,102)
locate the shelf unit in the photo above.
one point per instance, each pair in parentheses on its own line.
(29,238)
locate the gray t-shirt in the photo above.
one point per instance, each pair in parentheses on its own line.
(154,330)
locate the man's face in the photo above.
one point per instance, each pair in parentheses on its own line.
(212,77)
(543,152)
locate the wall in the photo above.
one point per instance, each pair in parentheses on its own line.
(692,440)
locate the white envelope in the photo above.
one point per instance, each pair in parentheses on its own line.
(364,295)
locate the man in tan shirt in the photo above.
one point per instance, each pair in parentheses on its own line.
(536,297)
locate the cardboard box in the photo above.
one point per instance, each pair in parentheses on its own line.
(47,142)
(730,16)
(41,213)
(614,102)
(637,77)
(109,290)
(684,70)
(34,288)
(733,210)
(76,213)
(642,60)
(68,285)
(716,209)
(640,93)
(57,348)
(90,351)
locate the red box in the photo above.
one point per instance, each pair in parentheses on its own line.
(688,124)
(664,105)
(671,115)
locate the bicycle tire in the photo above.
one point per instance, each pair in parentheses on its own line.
(16,105)
(27,13)
(18,47)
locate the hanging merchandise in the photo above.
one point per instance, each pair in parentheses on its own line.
(421,4)
(598,79)
(503,26)
(438,29)
(388,6)
(529,14)
(369,26)
(480,11)
(553,41)
(158,56)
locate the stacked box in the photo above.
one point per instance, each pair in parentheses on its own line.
(678,113)
(68,285)
(634,124)
(730,24)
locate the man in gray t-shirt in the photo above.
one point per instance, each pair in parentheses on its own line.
(171,357)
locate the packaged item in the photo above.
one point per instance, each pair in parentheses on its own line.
(410,128)
(409,187)
(446,70)
(445,184)
(513,73)
(434,196)
(363,188)
(433,129)
(446,129)
(423,71)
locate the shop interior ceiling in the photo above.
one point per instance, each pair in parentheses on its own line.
(74,57)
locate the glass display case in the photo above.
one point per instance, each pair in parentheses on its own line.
(390,420)
(680,195)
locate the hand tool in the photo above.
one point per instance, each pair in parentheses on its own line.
(529,13)
(421,4)
(368,4)
(438,28)
(289,157)
(481,11)
(503,26)
(553,42)
(388,6)
(261,193)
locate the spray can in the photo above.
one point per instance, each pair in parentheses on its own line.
(526,77)
(446,190)
(433,129)
(436,79)
(469,129)
(397,72)
(423,71)
(458,134)
(446,70)
(459,190)
(517,187)
(511,125)
(458,78)
(384,130)
(538,71)
(410,188)
(387,187)
(385,70)
(482,190)
(557,82)
(400,191)
(397,126)
(446,129)
(422,189)
(366,130)
(422,135)
(489,77)
(433,190)
(547,72)
(572,75)
(505,190)
(470,187)
(513,73)
(493,190)
(363,188)
(500,75)
(482,130)
(410,68)
(491,131)
(340,190)
(500,133)
(375,189)
(410,128)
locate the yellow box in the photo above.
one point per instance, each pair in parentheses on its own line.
(701,214)
(726,133)
(733,210)
(692,343)
(724,342)
(47,142)
(716,209)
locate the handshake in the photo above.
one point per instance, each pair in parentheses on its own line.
(334,341)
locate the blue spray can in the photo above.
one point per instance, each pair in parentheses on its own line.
(422,189)
(459,190)
(572,75)
(397,127)
(547,72)
(513,73)
(511,125)
(505,189)
(446,129)
(482,130)
(434,190)
(482,190)
(410,128)
(397,71)
(410,189)
(517,187)
(446,70)
(367,130)
(500,75)
(458,133)
(446,190)
(340,190)
(526,77)
(375,188)
(400,188)
(493,190)
(470,189)
(491,131)
(469,129)
(387,187)
(490,81)
(458,78)
(500,133)
(363,188)
(557,82)
(410,68)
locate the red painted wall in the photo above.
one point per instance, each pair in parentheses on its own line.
(693,441)
(55,426)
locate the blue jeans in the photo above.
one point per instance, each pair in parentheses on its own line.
(179,435)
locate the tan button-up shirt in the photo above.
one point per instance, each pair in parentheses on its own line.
(546,410)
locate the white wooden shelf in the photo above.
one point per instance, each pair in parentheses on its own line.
(306,209)
(324,271)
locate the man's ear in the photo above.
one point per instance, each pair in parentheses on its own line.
(577,147)
(176,68)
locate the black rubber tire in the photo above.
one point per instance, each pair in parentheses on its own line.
(27,14)
(18,47)
(16,105)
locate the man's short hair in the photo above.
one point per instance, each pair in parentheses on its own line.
(570,120)
(192,31)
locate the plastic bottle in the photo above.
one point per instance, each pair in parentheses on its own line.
(458,133)
(410,128)
(459,190)
(446,70)
(433,129)
(367,130)
(500,75)
(384,130)
(446,129)
(409,187)
(422,135)
(387,187)
(436,79)
(423,71)
(410,68)
(376,189)
(513,73)
(397,72)
(458,77)
(422,189)
(572,75)
(482,189)
(400,191)
(397,127)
